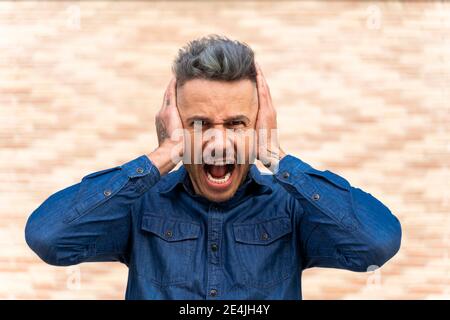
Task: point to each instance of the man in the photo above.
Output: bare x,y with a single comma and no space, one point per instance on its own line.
216,228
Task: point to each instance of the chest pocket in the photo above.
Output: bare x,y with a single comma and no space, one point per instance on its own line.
265,251
166,252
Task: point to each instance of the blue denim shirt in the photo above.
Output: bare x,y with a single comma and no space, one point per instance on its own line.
178,245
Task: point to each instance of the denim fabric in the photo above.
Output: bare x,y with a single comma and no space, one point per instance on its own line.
178,245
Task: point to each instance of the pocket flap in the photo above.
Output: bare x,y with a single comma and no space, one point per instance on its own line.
331,177
170,229
263,232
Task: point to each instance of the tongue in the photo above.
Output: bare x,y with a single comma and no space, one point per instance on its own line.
218,171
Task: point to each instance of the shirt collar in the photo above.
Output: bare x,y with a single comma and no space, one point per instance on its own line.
181,177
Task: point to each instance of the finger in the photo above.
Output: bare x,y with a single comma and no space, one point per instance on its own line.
265,87
263,96
172,91
172,96
258,69
164,100
167,97
260,76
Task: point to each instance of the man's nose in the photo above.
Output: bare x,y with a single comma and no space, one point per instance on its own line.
219,144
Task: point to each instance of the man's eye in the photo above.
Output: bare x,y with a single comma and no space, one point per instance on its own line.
236,123
198,123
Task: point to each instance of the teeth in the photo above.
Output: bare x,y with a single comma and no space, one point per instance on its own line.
219,180
219,162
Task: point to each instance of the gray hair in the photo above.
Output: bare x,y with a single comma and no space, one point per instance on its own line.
214,57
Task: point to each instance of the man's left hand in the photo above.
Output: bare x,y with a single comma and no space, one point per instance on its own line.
268,147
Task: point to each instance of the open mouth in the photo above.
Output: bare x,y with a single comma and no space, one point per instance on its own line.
219,176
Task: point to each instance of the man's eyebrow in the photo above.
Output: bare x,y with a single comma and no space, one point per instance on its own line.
240,117
228,119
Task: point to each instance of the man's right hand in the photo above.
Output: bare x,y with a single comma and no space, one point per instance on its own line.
169,129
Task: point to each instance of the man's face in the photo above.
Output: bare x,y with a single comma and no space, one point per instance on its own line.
219,120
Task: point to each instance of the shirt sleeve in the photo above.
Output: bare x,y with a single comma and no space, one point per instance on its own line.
339,226
91,220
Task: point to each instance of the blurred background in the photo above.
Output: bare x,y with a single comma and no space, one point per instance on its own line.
361,89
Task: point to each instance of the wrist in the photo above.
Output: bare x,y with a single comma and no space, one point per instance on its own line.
166,156
271,158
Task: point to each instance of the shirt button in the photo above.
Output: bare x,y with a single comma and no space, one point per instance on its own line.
214,247
213,292
316,196
139,170
265,236
169,234
285,175
107,193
